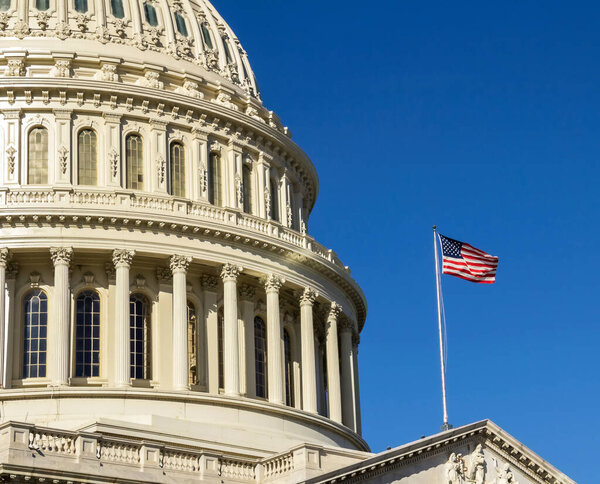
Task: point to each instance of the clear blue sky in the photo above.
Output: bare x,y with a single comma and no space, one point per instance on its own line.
485,120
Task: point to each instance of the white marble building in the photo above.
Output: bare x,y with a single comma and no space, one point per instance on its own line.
166,316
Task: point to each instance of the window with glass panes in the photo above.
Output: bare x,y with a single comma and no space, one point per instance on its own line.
274,199
247,185
177,170
139,336
116,7
221,350
192,344
37,152
135,162
87,334
150,14
87,157
260,357
81,6
35,332
215,180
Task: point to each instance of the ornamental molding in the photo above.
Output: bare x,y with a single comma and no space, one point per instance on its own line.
12,270
35,278
209,281
164,275
15,68
108,72
123,257
247,292
63,159
11,153
230,272
61,68
150,79
5,256
180,263
61,255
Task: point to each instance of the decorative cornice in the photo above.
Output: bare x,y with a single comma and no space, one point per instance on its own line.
230,272
180,263
123,257
61,255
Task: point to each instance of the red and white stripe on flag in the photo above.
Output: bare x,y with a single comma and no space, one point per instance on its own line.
467,262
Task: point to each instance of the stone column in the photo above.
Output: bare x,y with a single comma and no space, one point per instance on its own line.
61,258
333,364
4,258
122,260
210,357
347,370
179,268
231,362
247,369
12,271
274,339
307,335
357,416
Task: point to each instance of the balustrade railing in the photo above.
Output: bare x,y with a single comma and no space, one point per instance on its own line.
278,466
238,470
163,203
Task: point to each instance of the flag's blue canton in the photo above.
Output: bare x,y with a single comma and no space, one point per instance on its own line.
451,247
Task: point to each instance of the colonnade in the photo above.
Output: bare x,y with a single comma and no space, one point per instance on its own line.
341,341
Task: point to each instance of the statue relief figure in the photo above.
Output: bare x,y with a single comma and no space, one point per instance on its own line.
478,465
505,476
454,469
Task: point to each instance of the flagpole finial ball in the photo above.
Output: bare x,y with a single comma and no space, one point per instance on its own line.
434,227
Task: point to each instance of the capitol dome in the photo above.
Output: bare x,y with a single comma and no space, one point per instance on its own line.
167,316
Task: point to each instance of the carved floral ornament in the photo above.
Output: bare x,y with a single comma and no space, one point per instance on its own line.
180,263
273,283
247,292
61,255
230,272
308,297
123,257
5,256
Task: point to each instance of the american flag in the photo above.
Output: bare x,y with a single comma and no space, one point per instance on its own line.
465,261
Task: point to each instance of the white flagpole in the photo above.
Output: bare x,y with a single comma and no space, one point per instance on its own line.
438,283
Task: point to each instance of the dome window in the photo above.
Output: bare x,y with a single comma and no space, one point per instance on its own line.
215,184
260,357
81,6
116,7
177,170
140,340
247,188
87,335
87,157
37,167
227,52
4,5
150,13
135,162
206,36
35,324
181,27
42,4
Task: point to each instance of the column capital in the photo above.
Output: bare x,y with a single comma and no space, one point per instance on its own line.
247,292
308,297
61,255
230,272
5,256
334,311
345,324
273,283
123,257
180,263
208,281
12,269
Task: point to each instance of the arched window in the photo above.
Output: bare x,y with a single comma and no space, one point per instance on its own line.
227,52
206,36
150,13
87,334
87,157
4,5
139,336
274,200
289,369
116,7
192,344
81,6
181,27
177,170
37,151
135,162
247,185
215,188
221,349
260,357
35,333
42,4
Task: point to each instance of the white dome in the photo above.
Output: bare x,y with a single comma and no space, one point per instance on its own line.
151,31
